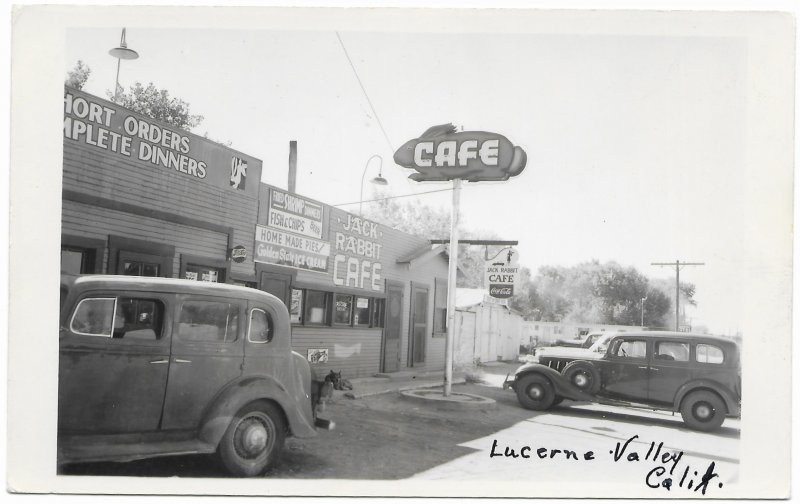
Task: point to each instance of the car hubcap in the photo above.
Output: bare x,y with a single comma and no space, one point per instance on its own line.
252,437
535,392
703,411
581,380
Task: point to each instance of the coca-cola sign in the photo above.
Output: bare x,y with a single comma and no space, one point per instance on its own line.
501,291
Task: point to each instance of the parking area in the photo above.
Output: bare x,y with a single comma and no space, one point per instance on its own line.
386,437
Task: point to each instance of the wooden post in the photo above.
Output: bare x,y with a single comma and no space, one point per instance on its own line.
451,291
292,165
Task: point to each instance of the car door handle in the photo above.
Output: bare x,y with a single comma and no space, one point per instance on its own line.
642,367
654,368
162,361
182,361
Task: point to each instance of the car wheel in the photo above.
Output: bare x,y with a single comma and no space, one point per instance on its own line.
254,439
582,375
535,392
703,410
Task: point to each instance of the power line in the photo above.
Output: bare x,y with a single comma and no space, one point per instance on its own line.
363,89
393,197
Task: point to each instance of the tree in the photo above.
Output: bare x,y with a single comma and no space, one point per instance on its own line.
77,77
157,104
595,293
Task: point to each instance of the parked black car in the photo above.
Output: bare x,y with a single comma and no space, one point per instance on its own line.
696,375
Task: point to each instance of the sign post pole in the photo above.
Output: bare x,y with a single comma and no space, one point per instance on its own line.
451,290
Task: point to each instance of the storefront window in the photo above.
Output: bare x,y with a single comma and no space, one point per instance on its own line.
140,268
361,312
77,260
296,306
343,309
203,273
316,309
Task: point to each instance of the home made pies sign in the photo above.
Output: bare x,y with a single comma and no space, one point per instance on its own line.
442,154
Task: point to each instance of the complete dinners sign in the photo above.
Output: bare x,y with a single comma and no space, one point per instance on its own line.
153,144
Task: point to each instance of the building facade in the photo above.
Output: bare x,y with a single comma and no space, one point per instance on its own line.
143,198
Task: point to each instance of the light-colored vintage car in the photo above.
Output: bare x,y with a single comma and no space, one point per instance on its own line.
155,366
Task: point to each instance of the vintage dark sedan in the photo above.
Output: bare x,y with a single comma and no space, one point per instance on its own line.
156,366
696,375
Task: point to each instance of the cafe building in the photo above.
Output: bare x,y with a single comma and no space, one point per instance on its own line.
363,298
141,197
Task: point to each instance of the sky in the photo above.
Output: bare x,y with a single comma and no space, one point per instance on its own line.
635,141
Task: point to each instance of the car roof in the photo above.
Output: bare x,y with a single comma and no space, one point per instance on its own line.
672,335
160,284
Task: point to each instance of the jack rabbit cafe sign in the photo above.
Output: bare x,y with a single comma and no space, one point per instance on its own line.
150,144
501,273
441,154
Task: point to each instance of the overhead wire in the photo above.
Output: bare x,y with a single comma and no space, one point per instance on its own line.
394,197
364,90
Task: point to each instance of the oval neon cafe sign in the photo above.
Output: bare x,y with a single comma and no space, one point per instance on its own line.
441,154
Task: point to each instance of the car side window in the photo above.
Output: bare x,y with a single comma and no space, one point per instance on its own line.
709,354
119,317
211,321
671,351
631,349
260,330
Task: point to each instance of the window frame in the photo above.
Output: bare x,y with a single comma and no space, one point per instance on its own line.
370,302
95,246
722,351
270,325
165,316
349,322
233,305
301,314
326,316
221,265
92,298
621,341
657,345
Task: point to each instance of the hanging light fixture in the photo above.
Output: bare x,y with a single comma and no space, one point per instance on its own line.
121,53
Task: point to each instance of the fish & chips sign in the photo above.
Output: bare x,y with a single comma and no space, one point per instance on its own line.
441,154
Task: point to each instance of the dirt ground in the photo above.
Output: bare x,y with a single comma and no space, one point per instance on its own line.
376,437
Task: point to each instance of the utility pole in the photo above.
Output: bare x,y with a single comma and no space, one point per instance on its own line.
678,265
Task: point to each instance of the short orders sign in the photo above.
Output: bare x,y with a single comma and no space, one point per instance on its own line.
502,273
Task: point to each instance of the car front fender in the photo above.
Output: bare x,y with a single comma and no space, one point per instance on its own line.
561,385
218,415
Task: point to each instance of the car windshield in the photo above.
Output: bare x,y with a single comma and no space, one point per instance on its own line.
601,345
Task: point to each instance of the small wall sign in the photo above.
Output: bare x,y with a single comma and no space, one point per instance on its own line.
238,253
317,355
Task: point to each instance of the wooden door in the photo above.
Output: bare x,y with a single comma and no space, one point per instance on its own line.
393,326
419,324
276,284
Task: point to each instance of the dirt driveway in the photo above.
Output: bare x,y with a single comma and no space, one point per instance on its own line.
376,437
